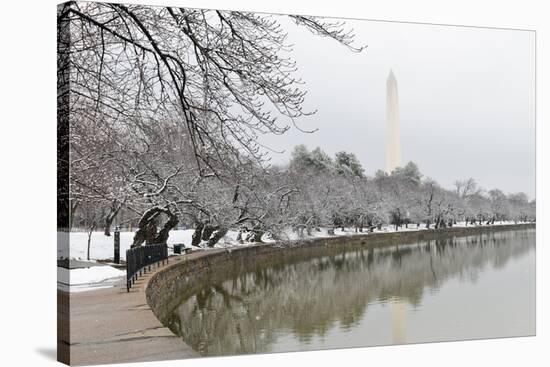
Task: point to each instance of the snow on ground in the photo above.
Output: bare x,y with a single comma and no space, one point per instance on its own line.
499,223
102,247
85,279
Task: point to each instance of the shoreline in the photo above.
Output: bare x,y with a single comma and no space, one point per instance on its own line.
131,328
184,278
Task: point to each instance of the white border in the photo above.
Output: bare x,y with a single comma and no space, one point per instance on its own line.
27,150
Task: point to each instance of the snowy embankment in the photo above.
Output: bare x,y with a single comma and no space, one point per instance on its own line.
101,248
86,279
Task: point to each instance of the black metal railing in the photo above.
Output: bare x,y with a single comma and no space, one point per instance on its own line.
139,261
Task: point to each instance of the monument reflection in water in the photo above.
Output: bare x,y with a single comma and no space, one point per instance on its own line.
451,289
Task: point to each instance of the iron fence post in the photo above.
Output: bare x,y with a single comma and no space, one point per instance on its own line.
140,259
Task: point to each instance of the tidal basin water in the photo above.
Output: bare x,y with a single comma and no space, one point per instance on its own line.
455,288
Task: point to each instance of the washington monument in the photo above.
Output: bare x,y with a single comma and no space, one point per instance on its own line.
393,154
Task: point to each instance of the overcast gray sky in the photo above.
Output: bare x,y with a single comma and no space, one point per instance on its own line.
466,95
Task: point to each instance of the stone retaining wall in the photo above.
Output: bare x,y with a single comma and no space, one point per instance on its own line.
169,287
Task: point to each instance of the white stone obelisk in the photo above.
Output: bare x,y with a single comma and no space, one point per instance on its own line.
393,154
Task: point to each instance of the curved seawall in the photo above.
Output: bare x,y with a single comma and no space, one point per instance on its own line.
176,282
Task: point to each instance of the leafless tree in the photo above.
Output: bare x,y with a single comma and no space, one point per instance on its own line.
161,96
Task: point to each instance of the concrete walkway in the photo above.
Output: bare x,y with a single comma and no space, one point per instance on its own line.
113,326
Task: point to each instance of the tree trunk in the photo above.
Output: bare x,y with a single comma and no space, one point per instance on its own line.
162,235
145,233
147,227
207,231
216,236
90,231
73,204
109,219
197,235
240,236
257,235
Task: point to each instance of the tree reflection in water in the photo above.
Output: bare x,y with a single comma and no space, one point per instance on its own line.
249,312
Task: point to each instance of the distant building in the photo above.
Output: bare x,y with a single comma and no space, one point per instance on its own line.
393,154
